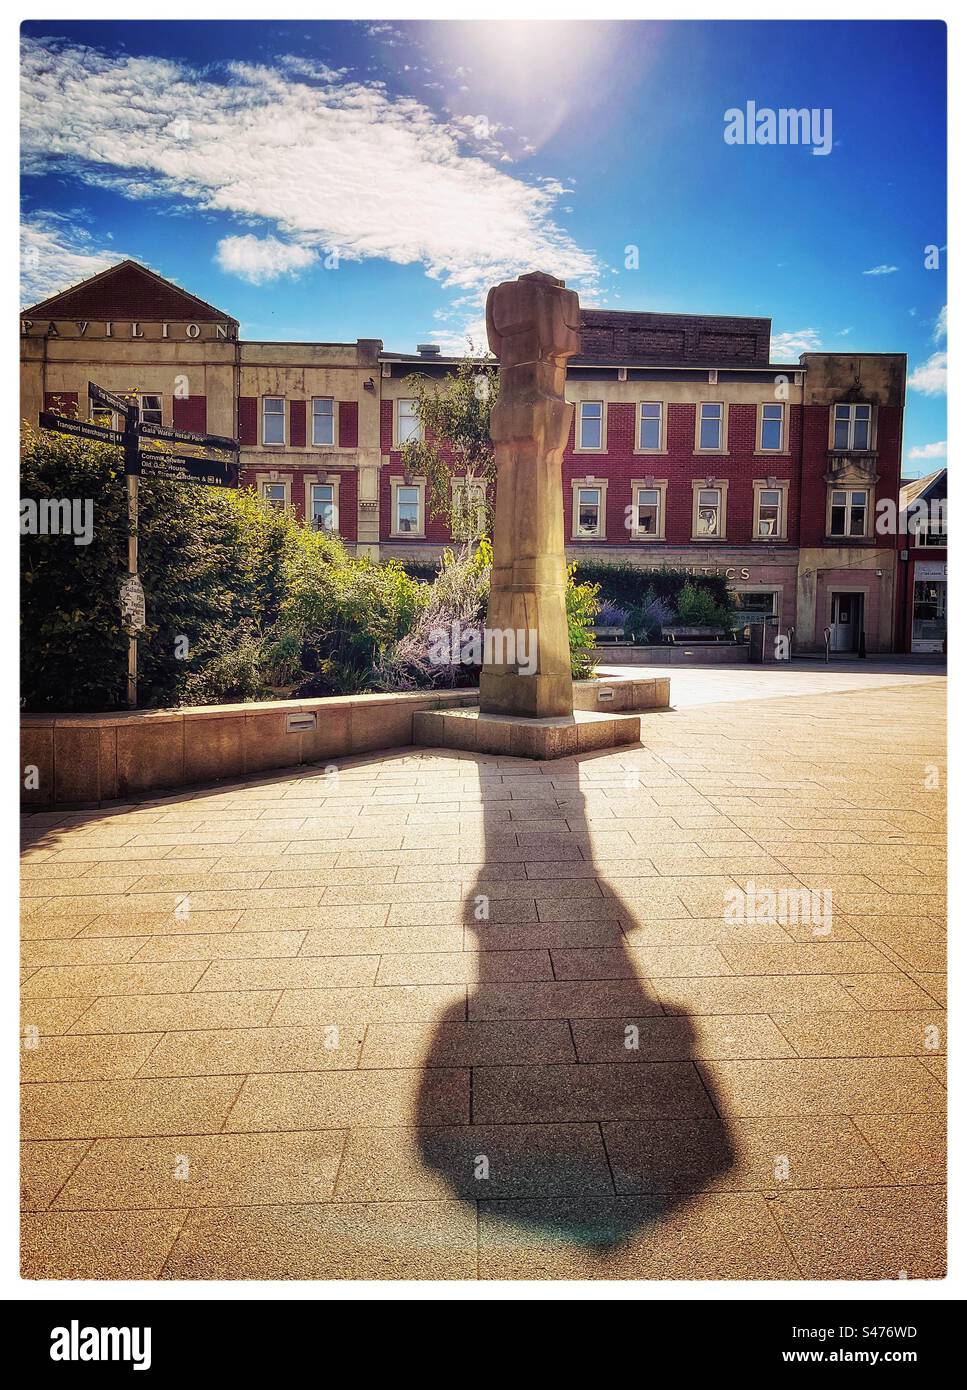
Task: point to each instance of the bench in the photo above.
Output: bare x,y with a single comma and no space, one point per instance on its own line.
678,633
610,634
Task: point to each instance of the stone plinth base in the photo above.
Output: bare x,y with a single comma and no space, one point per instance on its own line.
516,737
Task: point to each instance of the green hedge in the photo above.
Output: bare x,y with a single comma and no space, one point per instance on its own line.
265,604
243,602
628,585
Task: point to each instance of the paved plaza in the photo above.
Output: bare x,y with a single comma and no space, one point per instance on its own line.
431,1015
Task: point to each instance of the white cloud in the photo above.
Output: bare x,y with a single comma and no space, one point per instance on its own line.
55,253
344,165
930,378
929,451
258,259
788,345
882,270
940,327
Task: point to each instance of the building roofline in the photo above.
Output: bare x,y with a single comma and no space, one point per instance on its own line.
93,279
675,314
718,365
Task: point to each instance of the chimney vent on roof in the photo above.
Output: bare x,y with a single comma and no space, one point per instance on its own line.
428,349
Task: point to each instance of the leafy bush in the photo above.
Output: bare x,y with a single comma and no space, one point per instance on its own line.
611,615
582,613
431,653
242,600
632,586
697,607
645,620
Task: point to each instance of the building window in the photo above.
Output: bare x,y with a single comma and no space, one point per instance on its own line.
273,420
589,497
768,516
709,511
589,511
102,416
755,605
771,428
929,631
591,425
468,511
648,511
274,495
323,424
407,423
848,508
323,513
709,500
711,415
650,423
852,426
150,407
408,507
932,529
770,497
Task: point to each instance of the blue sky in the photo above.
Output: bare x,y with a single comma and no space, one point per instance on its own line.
329,181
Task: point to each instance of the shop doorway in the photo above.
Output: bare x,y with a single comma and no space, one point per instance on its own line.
929,612
845,621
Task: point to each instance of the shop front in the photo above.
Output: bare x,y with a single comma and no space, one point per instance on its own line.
929,630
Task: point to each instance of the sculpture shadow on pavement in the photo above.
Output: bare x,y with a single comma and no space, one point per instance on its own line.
589,1118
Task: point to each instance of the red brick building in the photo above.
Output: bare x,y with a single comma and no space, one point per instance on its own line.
690,448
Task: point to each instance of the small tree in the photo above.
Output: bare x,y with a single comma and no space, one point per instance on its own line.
454,452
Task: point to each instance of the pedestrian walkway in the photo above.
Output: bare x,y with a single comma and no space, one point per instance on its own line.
705,685
429,1015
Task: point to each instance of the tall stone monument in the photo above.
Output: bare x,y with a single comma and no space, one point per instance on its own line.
532,325
526,695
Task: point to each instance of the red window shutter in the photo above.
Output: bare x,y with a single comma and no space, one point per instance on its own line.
61,402
297,424
190,413
248,420
348,425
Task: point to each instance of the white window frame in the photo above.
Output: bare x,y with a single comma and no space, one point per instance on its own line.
159,408
275,414
763,485
659,485
579,485
419,531
601,420
459,487
331,417
265,481
333,485
721,486
417,435
723,440
848,504
850,419
762,447
660,447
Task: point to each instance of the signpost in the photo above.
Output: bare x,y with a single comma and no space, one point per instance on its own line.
142,459
81,429
176,468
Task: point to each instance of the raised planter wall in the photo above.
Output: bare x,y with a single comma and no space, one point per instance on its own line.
87,759
673,654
